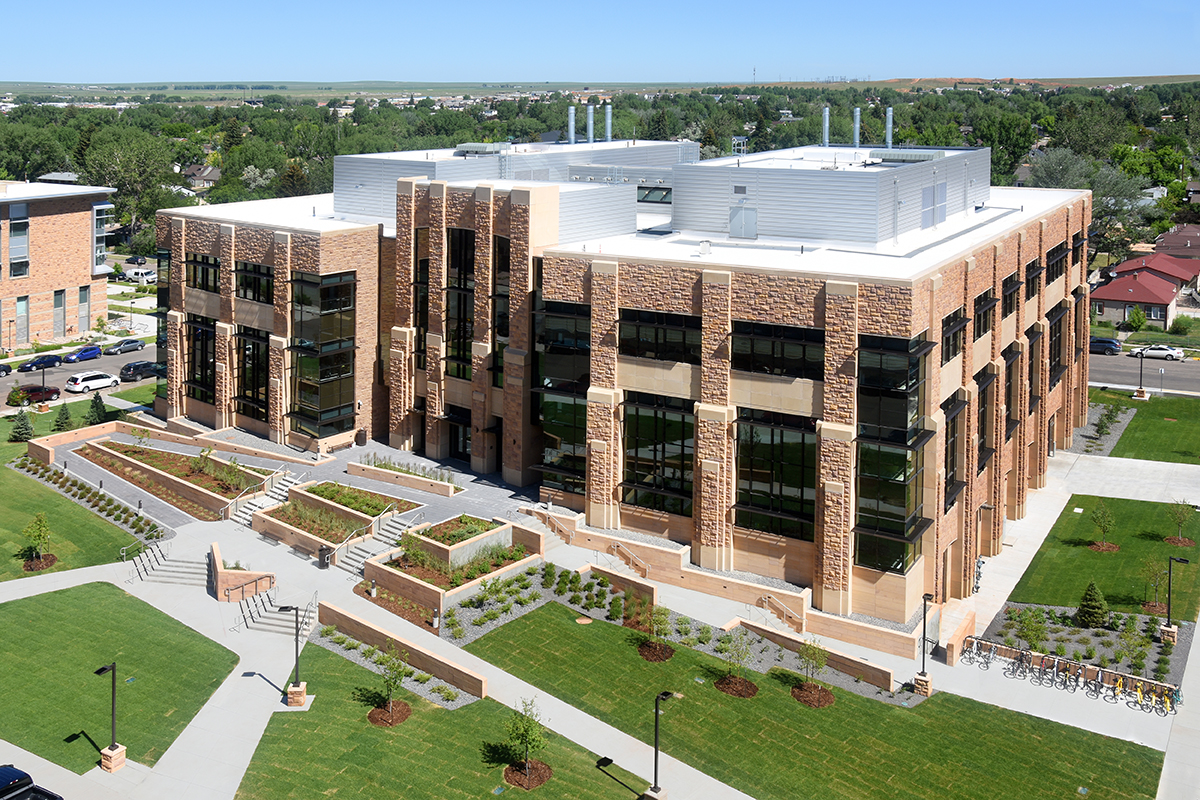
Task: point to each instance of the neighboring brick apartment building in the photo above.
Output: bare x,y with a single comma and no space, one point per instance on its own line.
52,271
842,367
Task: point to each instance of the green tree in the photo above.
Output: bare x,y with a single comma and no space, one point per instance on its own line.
293,182
37,535
660,127
62,420
231,134
525,731
96,412
135,164
1089,128
660,622
739,653
22,429
1136,319
1153,571
812,658
1181,512
1104,521
1031,627
1009,135
1093,609
394,668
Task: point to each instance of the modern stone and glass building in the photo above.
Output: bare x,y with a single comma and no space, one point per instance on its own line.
840,366
52,260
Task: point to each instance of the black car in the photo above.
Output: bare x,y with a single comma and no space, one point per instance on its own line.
124,346
17,784
138,260
138,370
40,362
1109,347
5,370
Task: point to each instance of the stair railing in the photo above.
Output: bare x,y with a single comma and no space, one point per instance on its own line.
560,529
788,614
618,548
357,531
242,587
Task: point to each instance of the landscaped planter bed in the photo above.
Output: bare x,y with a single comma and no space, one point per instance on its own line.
372,504
406,609
456,542
330,529
408,563
185,468
399,477
459,529
386,571
156,483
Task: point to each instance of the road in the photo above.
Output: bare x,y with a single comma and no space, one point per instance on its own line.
57,376
1122,370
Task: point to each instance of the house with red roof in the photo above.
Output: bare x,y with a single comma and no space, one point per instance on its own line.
1156,296
1179,271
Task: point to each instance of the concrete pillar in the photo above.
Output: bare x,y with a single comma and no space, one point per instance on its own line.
605,462
521,448
279,388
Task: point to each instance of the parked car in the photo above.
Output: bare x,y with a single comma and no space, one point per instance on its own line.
5,370
1159,351
16,784
136,260
138,370
161,341
142,275
91,381
40,362
124,346
82,354
1109,347
33,393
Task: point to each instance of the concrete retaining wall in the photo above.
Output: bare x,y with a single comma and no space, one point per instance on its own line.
232,578
854,667
461,553
402,479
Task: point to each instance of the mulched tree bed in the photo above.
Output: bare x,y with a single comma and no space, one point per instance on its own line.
813,695
413,612
736,686
1157,609
386,718
656,651
1104,547
539,773
1180,541
47,561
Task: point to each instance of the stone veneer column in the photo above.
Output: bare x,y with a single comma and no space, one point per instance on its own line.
224,345
604,402
483,445
437,442
279,390
401,420
175,320
521,447
714,471
835,469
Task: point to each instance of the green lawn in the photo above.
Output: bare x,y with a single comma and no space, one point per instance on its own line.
772,747
138,394
1063,565
41,425
434,754
1159,336
1164,428
54,706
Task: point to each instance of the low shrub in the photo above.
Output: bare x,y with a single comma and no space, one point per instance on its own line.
616,610
576,599
352,645
1090,653
340,639
1060,650
422,677
446,693
548,574
328,630
457,632
704,634
369,652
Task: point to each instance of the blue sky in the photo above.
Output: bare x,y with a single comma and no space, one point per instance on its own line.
619,40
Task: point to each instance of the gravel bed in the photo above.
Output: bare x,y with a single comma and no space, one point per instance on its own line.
1068,635
416,687
750,577
764,653
1085,439
632,536
904,627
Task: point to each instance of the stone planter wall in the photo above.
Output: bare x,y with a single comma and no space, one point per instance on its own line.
458,554
402,479
295,538
426,594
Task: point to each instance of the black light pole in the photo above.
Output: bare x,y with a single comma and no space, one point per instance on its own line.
1171,560
42,369
658,698
286,609
925,600
1141,366
113,669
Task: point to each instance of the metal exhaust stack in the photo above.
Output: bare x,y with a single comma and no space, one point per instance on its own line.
608,122
825,126
857,125
889,128
591,121
571,126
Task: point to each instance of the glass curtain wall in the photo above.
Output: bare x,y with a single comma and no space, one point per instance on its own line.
659,449
776,473
323,321
563,344
460,302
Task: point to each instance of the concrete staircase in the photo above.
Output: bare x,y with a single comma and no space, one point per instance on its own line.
261,613
278,494
181,571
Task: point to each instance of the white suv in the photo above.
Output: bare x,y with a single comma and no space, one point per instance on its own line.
91,381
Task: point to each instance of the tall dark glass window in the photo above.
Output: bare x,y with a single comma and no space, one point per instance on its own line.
985,384
323,328
985,312
891,388
1035,357
664,337
889,489
776,473
659,442
1012,293
501,281
254,282
1056,352
1033,278
460,302
884,553
420,294
201,377
202,272
252,372
1056,262
778,350
563,343
1012,389
953,456
163,256
1078,243
954,334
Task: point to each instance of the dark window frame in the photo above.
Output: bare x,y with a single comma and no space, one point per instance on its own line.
782,350
776,447
1033,278
1056,262
202,272
254,282
660,336
954,336
650,479
985,313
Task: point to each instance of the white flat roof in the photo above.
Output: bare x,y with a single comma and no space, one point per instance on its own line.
21,192
309,213
906,259
813,157
449,153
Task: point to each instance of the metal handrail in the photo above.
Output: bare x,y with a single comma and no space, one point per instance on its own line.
561,529
618,547
310,609
770,598
242,586
374,521
261,485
